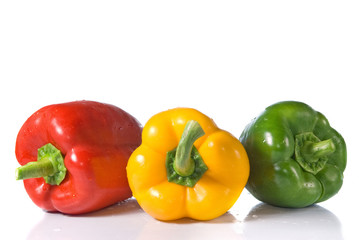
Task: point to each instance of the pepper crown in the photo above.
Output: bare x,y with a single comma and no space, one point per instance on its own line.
311,153
184,164
49,165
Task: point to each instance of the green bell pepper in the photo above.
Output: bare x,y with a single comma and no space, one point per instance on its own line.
296,157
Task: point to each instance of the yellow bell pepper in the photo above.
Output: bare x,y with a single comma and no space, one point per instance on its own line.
187,167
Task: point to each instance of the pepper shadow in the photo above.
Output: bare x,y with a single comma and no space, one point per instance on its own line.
131,206
128,206
223,227
314,222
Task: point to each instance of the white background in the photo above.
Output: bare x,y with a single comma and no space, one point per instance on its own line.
228,59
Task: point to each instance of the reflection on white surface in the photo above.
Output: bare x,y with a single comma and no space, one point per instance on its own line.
127,221
110,223
313,222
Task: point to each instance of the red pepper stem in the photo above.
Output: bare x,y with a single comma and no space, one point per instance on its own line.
49,165
183,164
35,170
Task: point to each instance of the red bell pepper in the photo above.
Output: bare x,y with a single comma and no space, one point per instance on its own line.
74,156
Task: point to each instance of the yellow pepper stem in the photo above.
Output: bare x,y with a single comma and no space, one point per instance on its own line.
183,164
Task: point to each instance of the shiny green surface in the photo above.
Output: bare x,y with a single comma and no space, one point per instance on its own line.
276,176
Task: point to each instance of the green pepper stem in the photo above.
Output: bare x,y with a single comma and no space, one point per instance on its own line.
35,170
183,164
312,151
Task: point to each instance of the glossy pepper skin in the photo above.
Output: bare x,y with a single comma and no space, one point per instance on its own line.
95,141
211,194
296,157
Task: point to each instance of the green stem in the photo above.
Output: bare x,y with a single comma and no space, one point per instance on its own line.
183,164
35,170
49,165
313,151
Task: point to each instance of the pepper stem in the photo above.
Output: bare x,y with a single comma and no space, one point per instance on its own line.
311,152
35,170
49,165
183,164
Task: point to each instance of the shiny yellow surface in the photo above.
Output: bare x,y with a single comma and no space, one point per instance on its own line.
217,190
